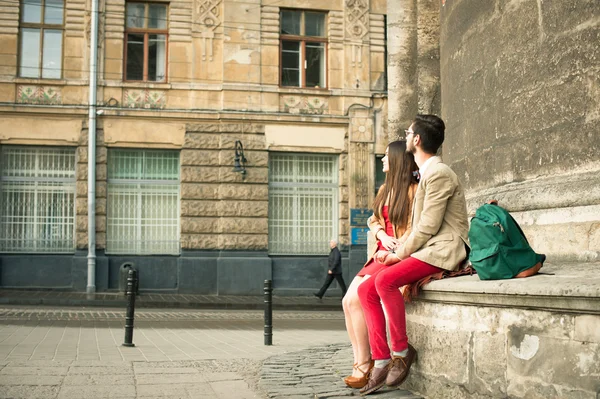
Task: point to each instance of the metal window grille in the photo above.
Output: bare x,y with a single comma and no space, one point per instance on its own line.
37,199
303,191
143,202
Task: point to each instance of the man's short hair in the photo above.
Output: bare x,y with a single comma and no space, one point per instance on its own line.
334,240
430,129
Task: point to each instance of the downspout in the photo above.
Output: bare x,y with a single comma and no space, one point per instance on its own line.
91,258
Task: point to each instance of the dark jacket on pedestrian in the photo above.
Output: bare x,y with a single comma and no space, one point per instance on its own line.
335,261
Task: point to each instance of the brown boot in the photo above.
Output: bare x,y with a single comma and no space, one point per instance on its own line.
376,380
399,368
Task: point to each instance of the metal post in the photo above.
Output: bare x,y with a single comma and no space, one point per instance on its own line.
129,316
268,313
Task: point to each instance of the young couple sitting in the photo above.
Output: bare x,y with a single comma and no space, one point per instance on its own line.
421,229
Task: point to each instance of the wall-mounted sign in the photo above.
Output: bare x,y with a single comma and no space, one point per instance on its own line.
359,216
358,235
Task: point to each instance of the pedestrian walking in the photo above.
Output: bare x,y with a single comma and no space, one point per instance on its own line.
335,271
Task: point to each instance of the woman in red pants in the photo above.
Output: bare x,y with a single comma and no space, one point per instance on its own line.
390,224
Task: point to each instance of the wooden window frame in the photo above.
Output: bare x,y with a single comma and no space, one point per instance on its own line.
146,32
303,40
41,27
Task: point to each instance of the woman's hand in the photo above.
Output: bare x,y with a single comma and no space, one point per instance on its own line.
391,259
387,241
381,255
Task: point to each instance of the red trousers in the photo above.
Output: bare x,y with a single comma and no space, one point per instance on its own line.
383,286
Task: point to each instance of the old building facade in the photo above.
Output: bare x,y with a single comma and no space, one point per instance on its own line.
233,139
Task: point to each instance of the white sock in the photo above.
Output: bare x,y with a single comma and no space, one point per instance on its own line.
403,353
381,363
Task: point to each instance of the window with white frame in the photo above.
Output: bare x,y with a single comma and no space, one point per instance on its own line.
41,29
303,49
143,202
37,199
303,197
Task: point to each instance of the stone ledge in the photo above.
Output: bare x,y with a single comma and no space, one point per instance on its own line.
572,288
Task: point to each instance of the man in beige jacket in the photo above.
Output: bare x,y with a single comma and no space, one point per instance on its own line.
438,241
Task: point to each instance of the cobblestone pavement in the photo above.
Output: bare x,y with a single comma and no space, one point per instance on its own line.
77,353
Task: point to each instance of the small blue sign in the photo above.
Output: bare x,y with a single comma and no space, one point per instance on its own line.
358,235
359,216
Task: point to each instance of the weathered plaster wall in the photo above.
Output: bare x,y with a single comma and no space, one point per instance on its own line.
521,99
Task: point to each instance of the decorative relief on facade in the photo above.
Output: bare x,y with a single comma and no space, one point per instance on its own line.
357,18
206,18
142,98
304,105
360,169
31,94
361,127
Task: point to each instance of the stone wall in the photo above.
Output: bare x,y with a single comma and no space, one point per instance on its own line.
520,96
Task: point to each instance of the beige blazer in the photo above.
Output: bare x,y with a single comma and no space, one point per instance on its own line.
439,234
375,225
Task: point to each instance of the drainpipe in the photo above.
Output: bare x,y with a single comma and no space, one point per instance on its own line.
91,258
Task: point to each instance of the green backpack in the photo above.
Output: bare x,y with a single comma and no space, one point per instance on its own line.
499,249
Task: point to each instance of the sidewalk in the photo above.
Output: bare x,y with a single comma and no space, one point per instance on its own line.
171,301
60,352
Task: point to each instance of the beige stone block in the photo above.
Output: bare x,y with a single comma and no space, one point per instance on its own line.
343,212
199,241
75,94
336,79
240,225
179,72
243,241
81,189
179,52
8,60
199,191
243,101
336,105
377,62
343,194
378,7
336,59
200,208
101,155
200,174
255,158
101,171
270,56
489,358
101,240
74,47
81,171
100,189
202,141
587,328
114,49
242,73
81,223
81,206
243,208
113,70
113,93
207,68
100,223
203,128
243,191
249,142
253,175
8,44
199,158
74,68
270,75
344,228
82,154
200,225
81,240
100,206
8,90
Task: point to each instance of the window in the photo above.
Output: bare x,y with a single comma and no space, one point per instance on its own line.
302,203
41,36
303,49
143,202
146,42
37,199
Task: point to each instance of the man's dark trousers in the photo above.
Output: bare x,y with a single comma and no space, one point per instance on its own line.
335,267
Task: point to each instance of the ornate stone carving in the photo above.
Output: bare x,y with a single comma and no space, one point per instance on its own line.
206,18
361,127
357,18
360,169
32,94
304,105
142,98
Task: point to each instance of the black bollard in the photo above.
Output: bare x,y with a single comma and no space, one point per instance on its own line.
268,313
129,316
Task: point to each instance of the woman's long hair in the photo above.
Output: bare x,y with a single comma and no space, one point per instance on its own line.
397,183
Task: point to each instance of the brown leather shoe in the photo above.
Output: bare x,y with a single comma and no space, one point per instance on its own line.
399,367
376,380
359,382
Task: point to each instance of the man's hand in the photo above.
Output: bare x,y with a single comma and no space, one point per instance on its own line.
381,255
329,272
387,241
391,259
